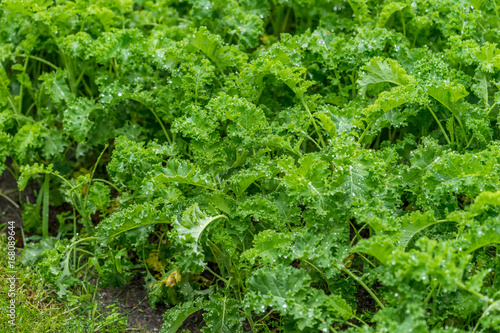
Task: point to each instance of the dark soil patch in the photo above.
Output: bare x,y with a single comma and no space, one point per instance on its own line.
133,301
365,303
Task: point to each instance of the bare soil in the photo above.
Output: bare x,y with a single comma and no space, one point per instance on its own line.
133,302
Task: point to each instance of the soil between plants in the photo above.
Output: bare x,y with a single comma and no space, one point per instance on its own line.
132,301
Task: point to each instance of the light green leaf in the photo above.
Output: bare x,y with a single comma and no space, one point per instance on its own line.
379,70
28,171
448,95
483,235
265,245
414,223
389,9
27,139
183,172
486,198
56,87
76,118
327,123
379,246
193,223
481,87
174,317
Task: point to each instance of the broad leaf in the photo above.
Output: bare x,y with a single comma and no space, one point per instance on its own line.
448,95
193,223
379,70
182,172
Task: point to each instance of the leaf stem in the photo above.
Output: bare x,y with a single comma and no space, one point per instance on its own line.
21,90
473,292
39,59
365,131
12,106
428,298
81,241
358,280
485,313
313,121
107,182
492,107
217,275
439,124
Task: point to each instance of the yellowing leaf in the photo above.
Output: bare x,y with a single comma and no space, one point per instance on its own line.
172,279
155,262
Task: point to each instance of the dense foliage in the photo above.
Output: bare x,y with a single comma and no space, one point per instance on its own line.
279,165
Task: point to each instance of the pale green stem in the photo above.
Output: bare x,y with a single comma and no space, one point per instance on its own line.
313,121
39,59
358,280
439,124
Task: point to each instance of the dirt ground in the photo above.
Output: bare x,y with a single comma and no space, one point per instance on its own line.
133,299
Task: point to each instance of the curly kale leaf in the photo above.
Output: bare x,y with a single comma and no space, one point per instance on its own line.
286,290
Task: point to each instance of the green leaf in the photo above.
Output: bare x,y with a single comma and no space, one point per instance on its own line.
135,222
266,245
174,317
379,70
327,123
486,198
28,171
55,85
413,223
389,9
98,197
479,236
183,172
448,95
279,285
4,87
379,246
193,223
307,180
287,291
5,143
212,46
389,100
222,315
27,139
353,180
481,86
338,305
248,120
54,144
76,118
